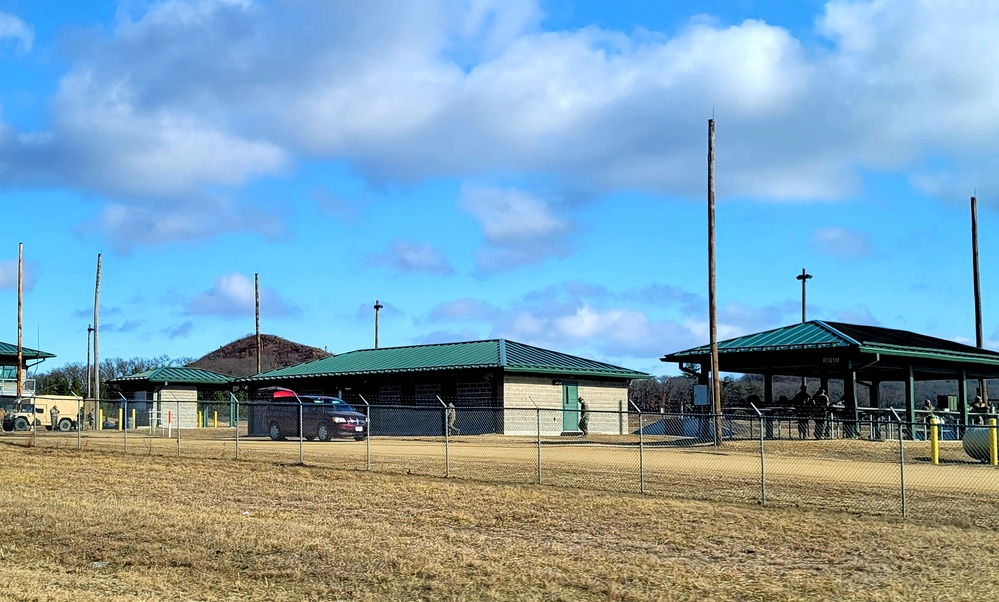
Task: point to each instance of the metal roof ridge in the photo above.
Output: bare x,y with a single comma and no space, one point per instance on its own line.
838,333
411,347
502,352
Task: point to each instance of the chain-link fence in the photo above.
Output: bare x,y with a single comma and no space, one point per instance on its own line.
876,464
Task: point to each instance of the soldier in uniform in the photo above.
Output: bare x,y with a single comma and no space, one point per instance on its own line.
820,405
801,401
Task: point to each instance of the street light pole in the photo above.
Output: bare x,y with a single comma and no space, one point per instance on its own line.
378,307
804,277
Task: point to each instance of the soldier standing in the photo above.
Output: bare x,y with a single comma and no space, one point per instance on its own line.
820,404
801,402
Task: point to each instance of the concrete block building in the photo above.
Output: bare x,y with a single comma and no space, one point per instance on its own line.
497,386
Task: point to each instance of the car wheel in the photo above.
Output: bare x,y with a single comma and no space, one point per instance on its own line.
21,424
65,425
323,432
275,432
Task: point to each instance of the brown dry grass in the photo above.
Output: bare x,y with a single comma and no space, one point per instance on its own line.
200,529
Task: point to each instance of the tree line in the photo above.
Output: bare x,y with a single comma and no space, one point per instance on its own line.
71,379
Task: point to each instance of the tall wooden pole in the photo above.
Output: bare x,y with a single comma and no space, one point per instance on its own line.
90,378
979,338
256,303
20,316
97,360
378,306
712,304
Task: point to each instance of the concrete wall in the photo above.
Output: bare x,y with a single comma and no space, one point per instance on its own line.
603,399
178,406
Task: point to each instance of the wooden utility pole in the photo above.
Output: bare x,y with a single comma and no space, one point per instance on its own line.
712,304
378,307
90,380
983,389
20,317
256,303
97,361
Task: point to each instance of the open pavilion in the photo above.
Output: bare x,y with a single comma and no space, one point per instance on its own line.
858,355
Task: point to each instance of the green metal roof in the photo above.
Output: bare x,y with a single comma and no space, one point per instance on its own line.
497,353
810,335
818,334
8,350
178,375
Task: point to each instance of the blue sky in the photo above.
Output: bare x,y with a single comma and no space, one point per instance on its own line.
534,170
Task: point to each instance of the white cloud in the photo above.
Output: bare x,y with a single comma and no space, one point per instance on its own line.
233,295
408,256
16,29
131,225
180,98
842,243
519,228
581,318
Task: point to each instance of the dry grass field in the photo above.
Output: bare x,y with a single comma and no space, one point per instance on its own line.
95,525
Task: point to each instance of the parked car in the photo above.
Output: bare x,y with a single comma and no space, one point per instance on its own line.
322,417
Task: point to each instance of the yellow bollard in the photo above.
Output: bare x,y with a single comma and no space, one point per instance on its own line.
133,418
121,419
934,441
215,420
100,420
201,419
993,448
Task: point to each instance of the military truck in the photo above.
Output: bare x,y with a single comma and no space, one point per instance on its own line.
37,411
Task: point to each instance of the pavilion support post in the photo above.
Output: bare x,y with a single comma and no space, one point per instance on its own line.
768,389
962,395
910,397
850,403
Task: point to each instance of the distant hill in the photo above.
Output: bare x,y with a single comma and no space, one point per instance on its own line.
239,358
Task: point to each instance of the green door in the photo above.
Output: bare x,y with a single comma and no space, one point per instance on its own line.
570,407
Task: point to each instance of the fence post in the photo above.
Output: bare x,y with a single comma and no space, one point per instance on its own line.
934,441
122,412
447,439
301,433
537,416
367,438
641,449
79,422
901,460
993,447
763,468
178,427
233,412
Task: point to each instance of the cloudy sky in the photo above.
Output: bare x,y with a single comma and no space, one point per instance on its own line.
533,170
